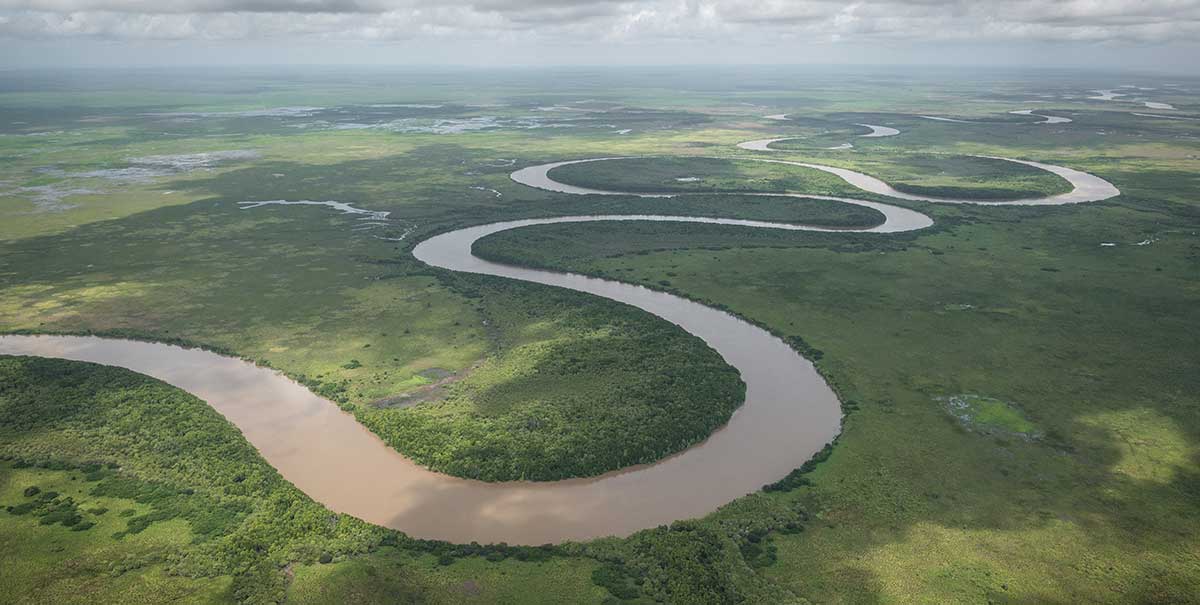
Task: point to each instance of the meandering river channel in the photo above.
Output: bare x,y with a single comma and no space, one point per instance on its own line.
788,415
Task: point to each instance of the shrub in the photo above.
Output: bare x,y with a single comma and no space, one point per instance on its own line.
21,509
617,580
796,478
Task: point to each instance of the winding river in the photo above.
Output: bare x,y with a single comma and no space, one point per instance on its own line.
1046,119
876,132
789,412
1085,187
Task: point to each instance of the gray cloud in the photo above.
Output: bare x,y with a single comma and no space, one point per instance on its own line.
298,6
607,22
167,7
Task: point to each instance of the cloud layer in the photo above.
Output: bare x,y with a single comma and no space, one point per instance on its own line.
605,20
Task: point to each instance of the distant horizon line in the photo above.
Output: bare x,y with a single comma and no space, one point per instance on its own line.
622,66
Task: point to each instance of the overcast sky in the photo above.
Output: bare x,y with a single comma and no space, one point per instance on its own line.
1145,34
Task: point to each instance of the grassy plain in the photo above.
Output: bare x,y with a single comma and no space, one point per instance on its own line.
1022,306
966,177
122,489
1095,345
707,175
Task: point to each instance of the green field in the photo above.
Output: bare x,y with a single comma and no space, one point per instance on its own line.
707,175
1023,420
570,378
965,177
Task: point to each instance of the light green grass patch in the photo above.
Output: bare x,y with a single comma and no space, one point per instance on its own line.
57,564
988,415
390,576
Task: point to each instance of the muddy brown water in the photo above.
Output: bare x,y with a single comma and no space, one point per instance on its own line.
788,415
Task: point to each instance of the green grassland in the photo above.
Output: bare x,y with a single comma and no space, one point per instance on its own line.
1074,481
989,415
119,488
383,324
578,387
807,211
1016,305
965,177
922,174
712,175
815,133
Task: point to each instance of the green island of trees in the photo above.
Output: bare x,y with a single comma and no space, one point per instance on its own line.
577,386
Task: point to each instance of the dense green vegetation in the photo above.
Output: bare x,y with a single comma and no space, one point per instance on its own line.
578,387
712,175
965,176
806,211
826,133
574,247
115,455
1016,306
1073,479
520,413
119,488
923,174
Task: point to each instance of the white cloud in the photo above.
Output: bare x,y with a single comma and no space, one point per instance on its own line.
625,22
